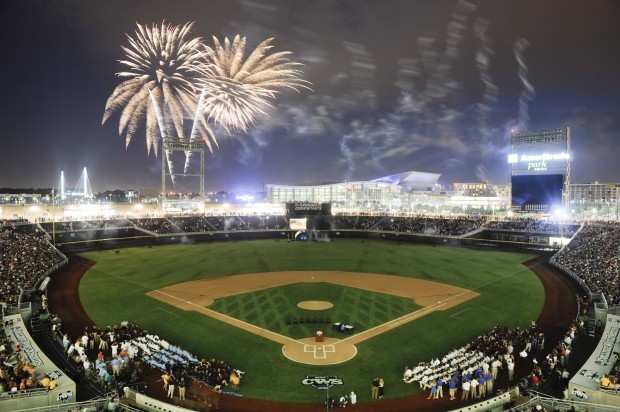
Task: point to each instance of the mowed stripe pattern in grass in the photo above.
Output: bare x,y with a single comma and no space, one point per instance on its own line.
510,294
269,308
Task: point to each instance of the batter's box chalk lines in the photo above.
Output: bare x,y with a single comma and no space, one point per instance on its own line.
319,352
329,348
174,315
309,348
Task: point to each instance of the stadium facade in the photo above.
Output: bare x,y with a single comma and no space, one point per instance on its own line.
407,191
391,192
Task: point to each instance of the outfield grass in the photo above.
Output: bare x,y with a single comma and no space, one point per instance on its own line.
269,308
510,294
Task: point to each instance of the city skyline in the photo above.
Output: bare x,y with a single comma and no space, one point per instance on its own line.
397,86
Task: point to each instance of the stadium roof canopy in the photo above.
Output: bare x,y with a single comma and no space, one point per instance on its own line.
412,180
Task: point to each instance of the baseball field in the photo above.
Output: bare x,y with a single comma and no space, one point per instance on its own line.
242,302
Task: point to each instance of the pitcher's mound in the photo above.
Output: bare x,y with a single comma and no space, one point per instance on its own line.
315,305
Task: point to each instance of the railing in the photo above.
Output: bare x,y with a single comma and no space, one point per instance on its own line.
27,393
561,405
98,404
148,403
614,310
15,310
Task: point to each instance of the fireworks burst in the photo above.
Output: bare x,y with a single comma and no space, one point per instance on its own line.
237,89
164,70
170,76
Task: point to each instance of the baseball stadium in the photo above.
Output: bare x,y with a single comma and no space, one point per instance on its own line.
390,294
262,317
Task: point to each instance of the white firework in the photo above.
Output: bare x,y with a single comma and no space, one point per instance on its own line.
164,70
239,89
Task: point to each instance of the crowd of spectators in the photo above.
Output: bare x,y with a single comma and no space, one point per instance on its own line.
355,222
176,361
10,222
191,224
203,223
473,368
110,355
25,255
555,365
441,225
155,225
114,356
80,225
421,224
594,256
17,375
452,226
528,224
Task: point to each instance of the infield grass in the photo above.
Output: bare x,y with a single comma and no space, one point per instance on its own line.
270,308
510,294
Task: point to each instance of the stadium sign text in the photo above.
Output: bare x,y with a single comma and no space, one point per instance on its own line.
26,346
322,382
63,397
306,206
538,158
538,166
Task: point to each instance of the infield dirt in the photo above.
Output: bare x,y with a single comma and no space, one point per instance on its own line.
432,296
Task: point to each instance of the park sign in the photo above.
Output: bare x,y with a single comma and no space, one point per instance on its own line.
515,158
322,382
538,162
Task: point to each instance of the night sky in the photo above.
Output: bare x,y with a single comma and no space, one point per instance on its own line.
398,85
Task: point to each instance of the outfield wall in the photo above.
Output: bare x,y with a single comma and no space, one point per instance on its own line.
120,238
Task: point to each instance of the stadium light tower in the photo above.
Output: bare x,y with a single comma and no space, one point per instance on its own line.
83,186
62,186
172,145
539,153
85,182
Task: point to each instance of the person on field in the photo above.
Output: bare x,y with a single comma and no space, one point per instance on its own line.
171,382
374,389
165,378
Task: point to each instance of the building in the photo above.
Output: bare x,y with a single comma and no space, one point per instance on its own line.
389,192
595,193
595,200
484,196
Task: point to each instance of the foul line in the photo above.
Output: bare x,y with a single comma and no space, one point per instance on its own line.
458,313
276,337
167,311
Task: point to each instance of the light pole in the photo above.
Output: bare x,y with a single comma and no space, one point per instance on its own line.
53,218
607,211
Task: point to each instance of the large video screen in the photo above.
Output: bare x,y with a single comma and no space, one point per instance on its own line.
537,192
298,224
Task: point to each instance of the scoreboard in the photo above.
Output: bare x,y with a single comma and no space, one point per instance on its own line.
305,209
